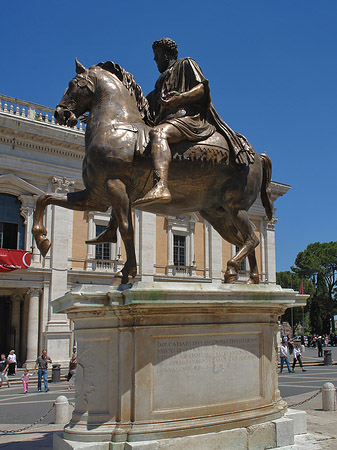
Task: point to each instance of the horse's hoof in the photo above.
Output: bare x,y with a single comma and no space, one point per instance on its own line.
253,279
125,279
44,246
231,277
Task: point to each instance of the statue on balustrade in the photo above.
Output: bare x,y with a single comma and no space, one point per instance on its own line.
168,153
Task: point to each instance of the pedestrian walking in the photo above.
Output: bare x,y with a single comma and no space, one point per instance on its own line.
72,371
25,380
11,358
42,366
4,370
284,355
297,357
319,347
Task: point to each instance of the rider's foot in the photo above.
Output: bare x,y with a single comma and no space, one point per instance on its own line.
158,194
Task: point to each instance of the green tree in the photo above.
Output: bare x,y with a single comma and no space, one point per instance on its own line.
319,307
292,280
319,263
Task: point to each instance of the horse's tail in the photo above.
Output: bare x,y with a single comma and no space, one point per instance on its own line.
265,186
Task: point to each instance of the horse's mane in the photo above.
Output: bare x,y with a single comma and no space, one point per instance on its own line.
135,90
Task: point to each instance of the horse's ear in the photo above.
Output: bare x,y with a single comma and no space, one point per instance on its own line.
79,67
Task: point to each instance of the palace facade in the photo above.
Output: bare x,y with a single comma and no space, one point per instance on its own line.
37,156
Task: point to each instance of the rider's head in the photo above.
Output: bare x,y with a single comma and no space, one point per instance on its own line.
165,51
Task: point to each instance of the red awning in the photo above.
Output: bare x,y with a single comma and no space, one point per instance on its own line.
14,259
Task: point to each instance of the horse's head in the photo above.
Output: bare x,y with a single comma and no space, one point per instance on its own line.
76,99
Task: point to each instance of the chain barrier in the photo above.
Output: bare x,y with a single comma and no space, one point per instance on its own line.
307,400
19,430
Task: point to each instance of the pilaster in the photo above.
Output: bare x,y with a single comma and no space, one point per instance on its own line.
269,240
57,337
215,253
33,326
147,245
15,321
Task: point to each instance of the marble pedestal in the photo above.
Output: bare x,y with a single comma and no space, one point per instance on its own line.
177,366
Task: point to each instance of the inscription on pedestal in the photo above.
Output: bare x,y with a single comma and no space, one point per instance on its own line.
201,370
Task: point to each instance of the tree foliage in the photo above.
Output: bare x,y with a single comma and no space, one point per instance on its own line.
317,267
292,280
319,307
319,263
318,258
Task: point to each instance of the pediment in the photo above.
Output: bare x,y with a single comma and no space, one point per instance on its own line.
13,185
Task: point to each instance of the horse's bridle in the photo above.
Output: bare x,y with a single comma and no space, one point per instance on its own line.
82,82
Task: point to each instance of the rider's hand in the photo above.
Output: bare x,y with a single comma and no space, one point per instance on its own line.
171,99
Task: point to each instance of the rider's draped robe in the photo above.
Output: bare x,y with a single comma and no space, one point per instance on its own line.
196,121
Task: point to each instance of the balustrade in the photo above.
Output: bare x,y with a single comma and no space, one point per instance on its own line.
31,111
106,264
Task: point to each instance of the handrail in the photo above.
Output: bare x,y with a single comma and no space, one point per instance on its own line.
32,111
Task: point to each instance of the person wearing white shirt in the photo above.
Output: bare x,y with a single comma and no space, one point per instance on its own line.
297,357
284,355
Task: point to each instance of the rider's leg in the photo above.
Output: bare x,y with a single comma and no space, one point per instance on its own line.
160,137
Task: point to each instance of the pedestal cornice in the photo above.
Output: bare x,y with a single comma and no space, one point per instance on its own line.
155,297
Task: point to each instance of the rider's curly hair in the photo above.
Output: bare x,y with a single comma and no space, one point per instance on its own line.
168,45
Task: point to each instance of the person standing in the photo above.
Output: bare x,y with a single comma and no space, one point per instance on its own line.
42,366
284,355
72,371
319,347
297,357
3,370
11,358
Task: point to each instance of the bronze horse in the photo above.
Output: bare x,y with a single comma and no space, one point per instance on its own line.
117,170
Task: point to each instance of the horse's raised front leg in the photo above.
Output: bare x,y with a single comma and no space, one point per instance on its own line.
121,206
73,200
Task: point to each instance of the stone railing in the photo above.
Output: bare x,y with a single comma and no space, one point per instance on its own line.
31,111
113,265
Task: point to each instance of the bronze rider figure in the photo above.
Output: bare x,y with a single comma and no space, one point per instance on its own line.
181,109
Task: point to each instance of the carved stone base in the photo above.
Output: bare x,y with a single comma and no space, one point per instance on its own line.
176,366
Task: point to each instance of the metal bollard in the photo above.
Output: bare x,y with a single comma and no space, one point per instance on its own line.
328,397
61,410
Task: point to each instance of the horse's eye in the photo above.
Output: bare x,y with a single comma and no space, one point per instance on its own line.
81,82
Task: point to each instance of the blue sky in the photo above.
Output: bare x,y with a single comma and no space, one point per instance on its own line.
271,67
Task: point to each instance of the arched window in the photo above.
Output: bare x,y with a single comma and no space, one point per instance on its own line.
11,223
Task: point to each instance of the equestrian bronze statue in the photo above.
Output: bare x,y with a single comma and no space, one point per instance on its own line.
168,153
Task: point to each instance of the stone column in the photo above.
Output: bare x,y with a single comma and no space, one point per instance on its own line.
270,261
263,272
215,252
147,245
61,241
57,336
207,228
33,326
27,211
15,322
